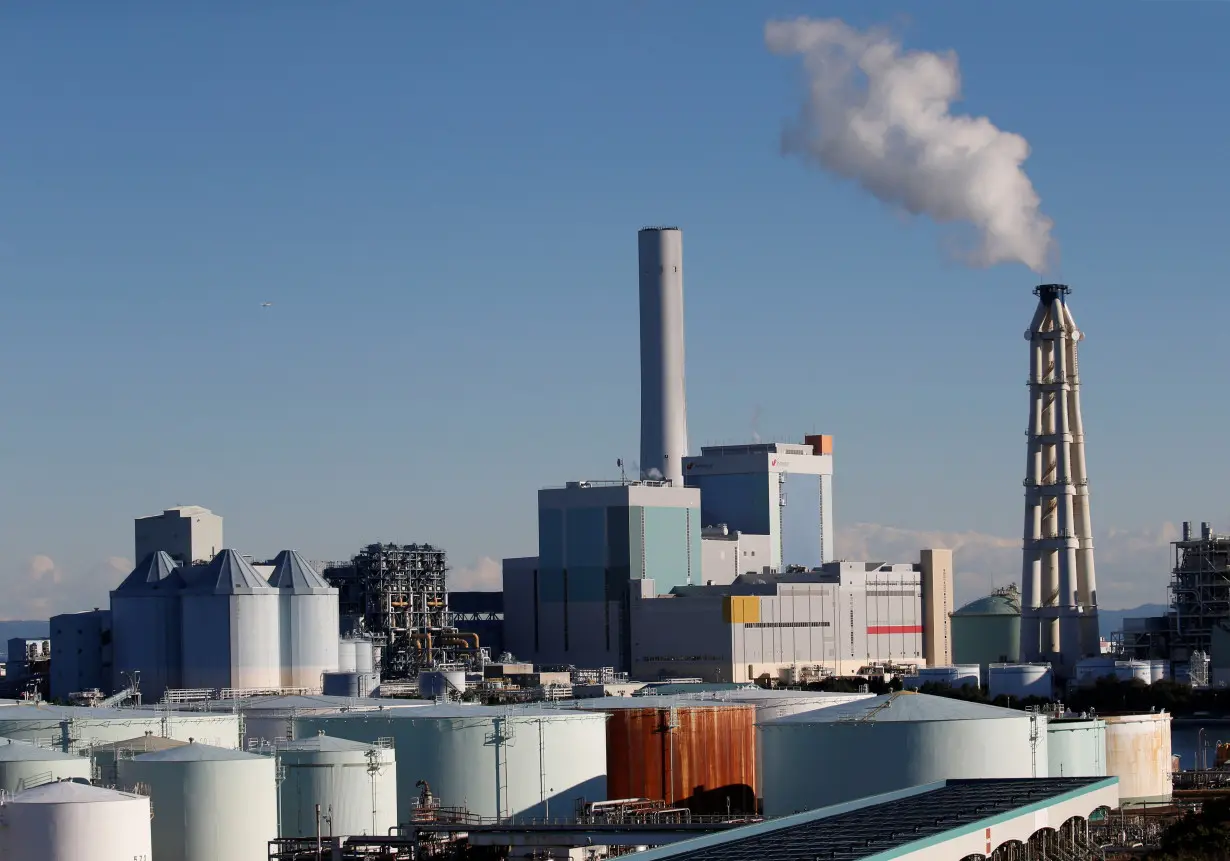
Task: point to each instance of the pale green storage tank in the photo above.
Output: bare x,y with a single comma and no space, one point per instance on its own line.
1076,747
988,631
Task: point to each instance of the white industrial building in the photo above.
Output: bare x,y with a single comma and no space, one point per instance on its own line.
190,534
720,565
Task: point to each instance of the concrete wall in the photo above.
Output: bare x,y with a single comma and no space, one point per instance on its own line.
937,595
188,534
80,653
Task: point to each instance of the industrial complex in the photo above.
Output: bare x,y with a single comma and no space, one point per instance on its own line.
689,667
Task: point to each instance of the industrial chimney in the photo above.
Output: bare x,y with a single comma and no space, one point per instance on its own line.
664,418
1059,593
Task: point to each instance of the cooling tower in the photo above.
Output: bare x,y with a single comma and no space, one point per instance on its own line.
664,423
1059,596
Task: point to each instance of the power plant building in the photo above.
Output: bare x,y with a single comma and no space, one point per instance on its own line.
187,533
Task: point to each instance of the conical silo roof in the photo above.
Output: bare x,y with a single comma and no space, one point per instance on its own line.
292,573
230,574
155,572
903,706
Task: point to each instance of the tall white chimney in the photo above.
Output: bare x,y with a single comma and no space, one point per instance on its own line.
1059,592
664,416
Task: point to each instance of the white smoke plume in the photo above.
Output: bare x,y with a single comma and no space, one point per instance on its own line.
880,115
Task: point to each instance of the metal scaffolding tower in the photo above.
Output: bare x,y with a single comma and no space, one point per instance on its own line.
1199,590
397,593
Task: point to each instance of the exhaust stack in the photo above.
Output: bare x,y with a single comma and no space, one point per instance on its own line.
1059,593
664,421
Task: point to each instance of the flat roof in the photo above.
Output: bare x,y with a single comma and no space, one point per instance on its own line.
881,825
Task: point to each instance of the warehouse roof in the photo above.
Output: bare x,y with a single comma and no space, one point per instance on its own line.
891,825
900,706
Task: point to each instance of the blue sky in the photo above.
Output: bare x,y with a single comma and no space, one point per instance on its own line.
441,201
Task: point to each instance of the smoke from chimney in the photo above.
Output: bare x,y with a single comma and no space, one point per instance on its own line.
880,116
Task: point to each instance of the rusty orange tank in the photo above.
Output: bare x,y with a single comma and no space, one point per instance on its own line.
696,755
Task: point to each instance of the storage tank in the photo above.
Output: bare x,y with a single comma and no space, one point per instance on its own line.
355,784
1138,753
1159,671
364,656
346,656
1020,681
71,821
1076,747
308,613
689,753
988,631
772,704
441,683
145,626
24,765
267,719
73,729
493,761
892,742
956,676
350,684
1134,671
231,621
1089,670
211,802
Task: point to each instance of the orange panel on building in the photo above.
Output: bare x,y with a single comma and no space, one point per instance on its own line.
820,443
705,761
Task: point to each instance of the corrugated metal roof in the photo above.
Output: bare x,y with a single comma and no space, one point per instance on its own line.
152,573
229,574
990,605
196,752
292,573
68,792
899,707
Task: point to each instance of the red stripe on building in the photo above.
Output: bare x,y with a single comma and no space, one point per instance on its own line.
894,629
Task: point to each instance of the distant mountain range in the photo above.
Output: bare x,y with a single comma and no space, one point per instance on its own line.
1110,621
19,629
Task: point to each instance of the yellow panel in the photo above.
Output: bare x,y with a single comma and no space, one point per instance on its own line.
751,609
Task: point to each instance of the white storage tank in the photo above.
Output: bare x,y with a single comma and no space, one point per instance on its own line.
956,676
350,684
493,761
364,656
1159,671
347,657
355,784
105,756
1138,753
24,766
145,625
1089,670
892,742
231,627
75,729
1134,671
446,683
268,719
1076,747
308,612
1020,681
211,802
71,821
771,704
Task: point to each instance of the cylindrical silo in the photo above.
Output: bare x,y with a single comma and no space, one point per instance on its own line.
1076,747
74,729
892,742
347,658
687,752
105,756
1134,671
664,418
1159,671
1021,681
349,684
988,631
71,821
24,766
145,627
1138,753
355,784
956,676
526,762
441,683
211,803
309,621
1090,670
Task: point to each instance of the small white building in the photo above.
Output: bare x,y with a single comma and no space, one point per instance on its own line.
188,533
